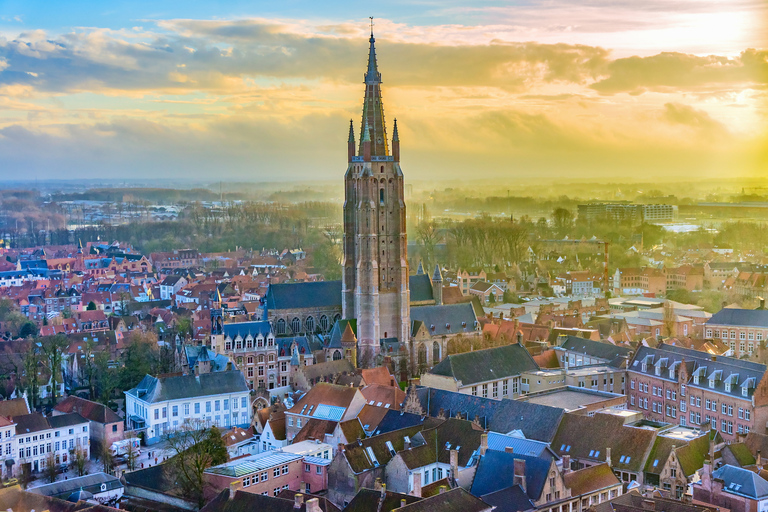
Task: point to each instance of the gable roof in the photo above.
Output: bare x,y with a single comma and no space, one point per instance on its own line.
446,318
740,317
420,286
455,500
486,365
326,394
510,499
590,479
92,411
741,482
496,470
452,434
587,437
14,407
369,500
598,349
159,389
318,294
358,454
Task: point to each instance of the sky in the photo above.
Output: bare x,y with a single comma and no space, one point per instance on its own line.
263,91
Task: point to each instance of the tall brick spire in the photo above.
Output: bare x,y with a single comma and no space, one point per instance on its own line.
373,108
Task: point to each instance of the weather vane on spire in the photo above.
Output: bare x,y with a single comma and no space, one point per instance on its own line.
371,18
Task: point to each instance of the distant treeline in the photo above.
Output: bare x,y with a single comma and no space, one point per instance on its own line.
151,195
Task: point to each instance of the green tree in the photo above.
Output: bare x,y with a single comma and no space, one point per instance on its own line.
28,329
562,220
91,306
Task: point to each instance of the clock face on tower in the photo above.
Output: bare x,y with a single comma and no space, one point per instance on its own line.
379,140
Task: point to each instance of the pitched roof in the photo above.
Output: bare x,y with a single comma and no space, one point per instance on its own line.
496,470
740,317
28,423
159,389
535,421
599,349
249,501
243,329
91,483
587,437
92,411
486,365
14,407
510,499
315,429
378,375
318,294
446,318
452,434
358,454
66,420
455,500
420,286
388,397
369,500
590,479
741,482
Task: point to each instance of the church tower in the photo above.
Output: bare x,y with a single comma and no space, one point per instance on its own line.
375,273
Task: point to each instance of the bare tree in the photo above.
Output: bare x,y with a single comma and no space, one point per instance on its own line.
195,448
79,460
131,452
49,472
106,457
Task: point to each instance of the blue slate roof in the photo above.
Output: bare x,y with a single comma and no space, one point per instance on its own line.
202,353
485,365
153,389
446,318
284,345
511,499
25,264
333,339
243,329
740,317
321,294
396,420
599,349
500,442
742,482
535,421
496,470
737,372
420,286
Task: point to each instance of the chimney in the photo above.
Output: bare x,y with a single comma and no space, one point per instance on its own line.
377,484
759,461
762,303
403,502
608,456
234,487
520,474
407,443
313,505
298,500
443,489
454,464
483,444
509,449
520,337
566,463
416,486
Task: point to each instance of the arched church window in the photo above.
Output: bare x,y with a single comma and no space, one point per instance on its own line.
295,325
336,317
281,326
336,355
382,168
381,195
422,355
310,323
324,323
435,352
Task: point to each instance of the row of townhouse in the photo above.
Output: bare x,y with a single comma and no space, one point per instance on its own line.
743,330
680,385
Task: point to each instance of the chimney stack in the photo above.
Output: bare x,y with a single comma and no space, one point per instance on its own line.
520,337
519,477
403,502
416,486
313,505
759,461
608,456
298,500
483,444
566,463
234,487
443,489
454,464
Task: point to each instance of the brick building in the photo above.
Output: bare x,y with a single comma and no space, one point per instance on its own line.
741,329
680,385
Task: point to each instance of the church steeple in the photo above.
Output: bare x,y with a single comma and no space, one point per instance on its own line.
351,142
373,108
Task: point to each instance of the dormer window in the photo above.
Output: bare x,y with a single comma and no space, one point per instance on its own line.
711,383
744,391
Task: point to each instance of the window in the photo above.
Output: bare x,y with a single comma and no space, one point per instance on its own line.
307,468
485,390
165,413
276,472
747,414
243,402
197,407
285,469
157,415
217,405
175,411
296,325
246,481
208,406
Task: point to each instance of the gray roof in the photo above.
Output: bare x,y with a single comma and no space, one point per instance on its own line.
243,329
598,349
197,353
535,421
497,469
740,317
486,365
742,482
253,463
90,483
66,420
739,371
421,288
321,294
153,389
446,319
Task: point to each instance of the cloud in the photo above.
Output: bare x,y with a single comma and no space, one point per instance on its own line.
677,71
698,120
